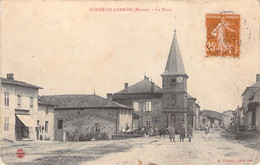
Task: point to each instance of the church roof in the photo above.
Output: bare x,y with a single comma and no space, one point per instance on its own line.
174,65
144,86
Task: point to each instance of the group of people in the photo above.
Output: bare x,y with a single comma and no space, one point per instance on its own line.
152,131
164,131
182,133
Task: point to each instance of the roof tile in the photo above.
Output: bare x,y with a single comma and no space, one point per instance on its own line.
21,83
80,101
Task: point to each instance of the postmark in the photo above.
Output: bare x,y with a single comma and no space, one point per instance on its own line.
20,153
223,35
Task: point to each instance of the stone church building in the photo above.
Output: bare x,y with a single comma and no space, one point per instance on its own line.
161,107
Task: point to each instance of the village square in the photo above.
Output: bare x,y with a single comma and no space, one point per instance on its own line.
139,123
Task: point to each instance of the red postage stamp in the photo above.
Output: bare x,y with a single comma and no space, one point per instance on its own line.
223,35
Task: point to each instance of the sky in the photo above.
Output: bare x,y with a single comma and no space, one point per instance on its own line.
66,48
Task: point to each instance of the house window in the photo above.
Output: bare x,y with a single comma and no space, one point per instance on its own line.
60,123
6,124
97,127
148,106
38,123
136,106
19,101
7,99
148,120
47,109
31,101
46,126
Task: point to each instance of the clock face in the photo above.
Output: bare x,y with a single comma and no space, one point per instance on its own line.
179,79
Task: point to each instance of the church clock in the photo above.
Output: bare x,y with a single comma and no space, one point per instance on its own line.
179,79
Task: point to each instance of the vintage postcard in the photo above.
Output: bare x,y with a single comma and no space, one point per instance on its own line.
130,82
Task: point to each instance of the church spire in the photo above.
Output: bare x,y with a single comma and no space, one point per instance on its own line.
174,65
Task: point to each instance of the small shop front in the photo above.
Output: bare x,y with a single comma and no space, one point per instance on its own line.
24,127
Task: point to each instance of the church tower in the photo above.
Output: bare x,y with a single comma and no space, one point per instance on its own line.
174,88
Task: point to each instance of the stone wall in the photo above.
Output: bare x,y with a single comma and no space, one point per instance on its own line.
41,119
83,121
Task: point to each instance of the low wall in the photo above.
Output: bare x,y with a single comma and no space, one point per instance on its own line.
119,137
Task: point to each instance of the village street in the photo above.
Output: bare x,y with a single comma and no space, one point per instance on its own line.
204,149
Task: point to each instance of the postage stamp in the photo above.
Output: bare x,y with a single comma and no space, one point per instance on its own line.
223,35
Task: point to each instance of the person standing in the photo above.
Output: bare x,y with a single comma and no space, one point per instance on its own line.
189,134
161,132
207,129
156,132
182,133
171,133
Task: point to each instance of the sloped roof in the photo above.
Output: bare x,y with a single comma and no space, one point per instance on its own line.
228,113
144,86
255,97
80,101
255,85
174,65
20,83
190,97
212,114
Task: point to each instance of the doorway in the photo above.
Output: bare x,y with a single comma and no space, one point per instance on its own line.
59,132
172,120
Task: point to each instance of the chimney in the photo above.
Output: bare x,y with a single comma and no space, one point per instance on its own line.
152,87
126,86
10,76
109,96
257,77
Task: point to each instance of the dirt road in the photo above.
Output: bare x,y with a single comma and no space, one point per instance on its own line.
204,149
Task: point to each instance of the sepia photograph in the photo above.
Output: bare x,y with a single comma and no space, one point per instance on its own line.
129,82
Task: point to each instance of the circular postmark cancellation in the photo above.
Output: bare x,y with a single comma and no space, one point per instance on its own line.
223,35
20,153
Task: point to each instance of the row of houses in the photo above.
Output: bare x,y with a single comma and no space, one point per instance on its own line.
26,116
244,118
82,117
247,117
214,119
